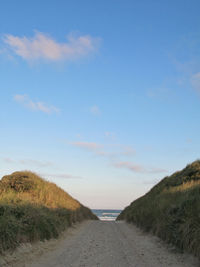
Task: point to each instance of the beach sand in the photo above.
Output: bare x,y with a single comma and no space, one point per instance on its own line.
100,244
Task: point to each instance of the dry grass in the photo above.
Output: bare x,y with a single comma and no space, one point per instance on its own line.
183,187
31,188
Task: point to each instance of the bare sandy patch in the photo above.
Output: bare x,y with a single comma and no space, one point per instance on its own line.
101,244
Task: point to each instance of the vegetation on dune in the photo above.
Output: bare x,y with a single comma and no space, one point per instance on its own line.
33,209
171,209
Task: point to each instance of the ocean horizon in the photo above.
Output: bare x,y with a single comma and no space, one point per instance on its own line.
106,214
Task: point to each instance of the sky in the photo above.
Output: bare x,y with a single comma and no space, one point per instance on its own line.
100,97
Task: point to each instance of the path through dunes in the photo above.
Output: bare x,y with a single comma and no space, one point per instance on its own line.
107,244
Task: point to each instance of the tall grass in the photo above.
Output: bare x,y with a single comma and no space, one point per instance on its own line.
171,209
33,209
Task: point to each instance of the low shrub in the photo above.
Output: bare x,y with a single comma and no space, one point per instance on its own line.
33,209
171,209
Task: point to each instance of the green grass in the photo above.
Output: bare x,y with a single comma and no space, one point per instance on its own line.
171,209
33,209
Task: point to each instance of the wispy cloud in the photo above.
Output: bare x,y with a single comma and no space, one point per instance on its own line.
137,168
188,141
36,163
35,106
95,110
61,175
109,134
42,46
91,146
109,150
28,162
9,160
127,151
129,166
195,81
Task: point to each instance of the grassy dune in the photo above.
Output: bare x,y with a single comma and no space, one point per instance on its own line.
33,209
171,209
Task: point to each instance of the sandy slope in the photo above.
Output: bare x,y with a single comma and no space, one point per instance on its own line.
104,244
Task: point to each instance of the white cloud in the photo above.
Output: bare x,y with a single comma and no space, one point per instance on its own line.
35,106
95,110
42,46
137,168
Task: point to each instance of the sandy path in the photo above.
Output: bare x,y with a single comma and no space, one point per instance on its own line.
107,244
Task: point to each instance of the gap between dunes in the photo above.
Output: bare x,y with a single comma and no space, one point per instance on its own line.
100,244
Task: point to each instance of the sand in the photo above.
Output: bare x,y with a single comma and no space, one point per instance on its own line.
100,244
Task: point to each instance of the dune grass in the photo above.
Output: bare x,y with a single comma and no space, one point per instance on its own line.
171,209
33,209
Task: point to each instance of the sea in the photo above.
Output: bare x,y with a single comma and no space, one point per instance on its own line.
106,215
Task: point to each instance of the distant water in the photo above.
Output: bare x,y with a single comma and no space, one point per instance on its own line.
107,215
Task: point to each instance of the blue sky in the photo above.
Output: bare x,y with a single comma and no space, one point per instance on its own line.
100,97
